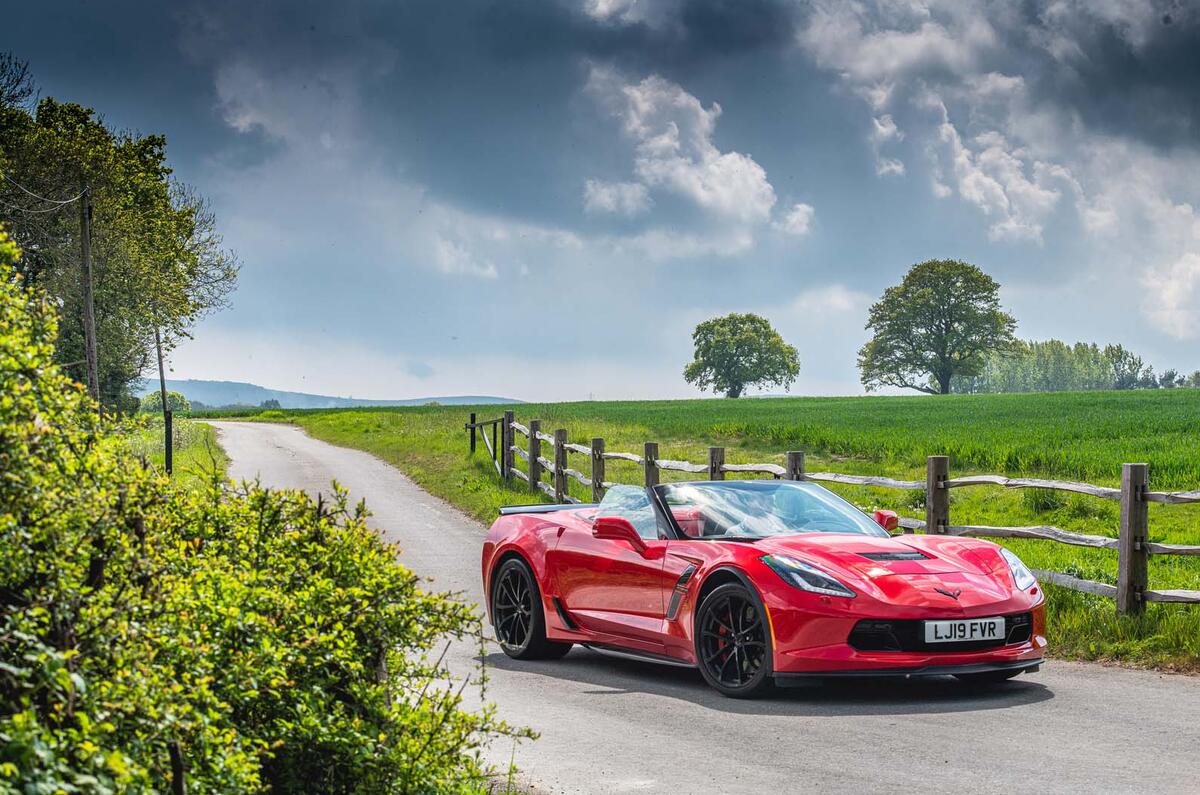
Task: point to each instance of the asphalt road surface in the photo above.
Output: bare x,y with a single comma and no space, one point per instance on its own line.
611,726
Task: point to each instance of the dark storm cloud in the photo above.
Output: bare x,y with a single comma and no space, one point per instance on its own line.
1150,92
480,99
1132,73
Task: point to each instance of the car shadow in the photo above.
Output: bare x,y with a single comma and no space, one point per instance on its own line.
610,676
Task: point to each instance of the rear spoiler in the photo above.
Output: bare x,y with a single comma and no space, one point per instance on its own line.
509,510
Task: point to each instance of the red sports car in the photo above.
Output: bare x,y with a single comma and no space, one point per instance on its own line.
758,582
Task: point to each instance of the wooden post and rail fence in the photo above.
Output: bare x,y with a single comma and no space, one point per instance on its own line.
1132,543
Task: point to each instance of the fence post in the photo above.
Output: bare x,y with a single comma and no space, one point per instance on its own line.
169,440
472,429
535,450
716,457
650,453
560,465
937,496
1132,576
795,465
506,441
597,469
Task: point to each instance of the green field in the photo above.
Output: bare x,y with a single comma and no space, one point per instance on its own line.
1081,436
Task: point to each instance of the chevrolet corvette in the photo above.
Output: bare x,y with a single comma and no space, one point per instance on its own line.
758,583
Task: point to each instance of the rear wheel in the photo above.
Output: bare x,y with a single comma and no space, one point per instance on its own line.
733,646
986,678
517,615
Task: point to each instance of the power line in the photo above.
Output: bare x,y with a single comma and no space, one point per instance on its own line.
59,202
19,209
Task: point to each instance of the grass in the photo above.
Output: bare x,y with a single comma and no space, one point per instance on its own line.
1082,436
195,455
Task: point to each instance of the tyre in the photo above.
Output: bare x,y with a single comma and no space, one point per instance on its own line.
733,643
517,616
986,678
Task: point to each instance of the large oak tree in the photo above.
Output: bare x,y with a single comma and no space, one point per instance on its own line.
740,350
942,321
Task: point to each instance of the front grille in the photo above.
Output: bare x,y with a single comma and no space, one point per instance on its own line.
872,634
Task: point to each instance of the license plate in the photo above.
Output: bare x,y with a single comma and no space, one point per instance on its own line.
964,630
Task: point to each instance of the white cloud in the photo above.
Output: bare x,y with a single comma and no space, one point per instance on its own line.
1017,159
660,245
674,151
883,131
454,259
624,198
1012,188
797,220
835,298
1172,297
873,45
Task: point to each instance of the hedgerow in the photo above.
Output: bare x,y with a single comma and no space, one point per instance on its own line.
273,643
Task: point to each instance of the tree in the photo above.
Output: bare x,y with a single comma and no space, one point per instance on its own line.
176,402
16,84
738,351
158,261
1129,372
942,321
1054,366
1193,380
271,403
1169,379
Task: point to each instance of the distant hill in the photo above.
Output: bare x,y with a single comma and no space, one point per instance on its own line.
216,394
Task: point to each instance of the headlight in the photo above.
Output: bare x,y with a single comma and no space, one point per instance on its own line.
806,577
1022,576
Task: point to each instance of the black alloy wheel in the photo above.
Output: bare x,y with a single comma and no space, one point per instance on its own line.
517,614
733,644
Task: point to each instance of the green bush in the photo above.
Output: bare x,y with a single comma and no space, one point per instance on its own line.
278,642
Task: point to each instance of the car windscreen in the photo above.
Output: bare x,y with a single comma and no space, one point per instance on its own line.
760,508
632,503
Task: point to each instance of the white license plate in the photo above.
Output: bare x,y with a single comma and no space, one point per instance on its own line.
964,630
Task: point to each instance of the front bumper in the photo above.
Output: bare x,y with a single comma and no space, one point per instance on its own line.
813,640
1020,666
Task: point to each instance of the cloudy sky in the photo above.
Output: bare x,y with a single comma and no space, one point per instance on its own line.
541,200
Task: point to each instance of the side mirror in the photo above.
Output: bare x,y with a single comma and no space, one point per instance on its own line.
888,520
614,528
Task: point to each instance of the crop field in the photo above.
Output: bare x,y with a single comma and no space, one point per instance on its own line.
1080,436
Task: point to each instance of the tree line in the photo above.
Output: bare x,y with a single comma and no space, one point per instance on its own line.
130,255
941,330
1055,366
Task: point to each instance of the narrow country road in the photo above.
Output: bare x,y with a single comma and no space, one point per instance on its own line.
612,726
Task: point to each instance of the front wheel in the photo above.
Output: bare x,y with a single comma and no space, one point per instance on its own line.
733,646
517,615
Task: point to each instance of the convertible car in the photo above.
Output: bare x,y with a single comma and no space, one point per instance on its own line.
758,583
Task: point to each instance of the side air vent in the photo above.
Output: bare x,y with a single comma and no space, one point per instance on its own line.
562,615
913,555
679,592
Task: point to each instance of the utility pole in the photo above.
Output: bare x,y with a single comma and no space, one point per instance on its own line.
89,304
168,436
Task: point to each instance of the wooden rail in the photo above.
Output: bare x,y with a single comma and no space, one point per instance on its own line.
1132,545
